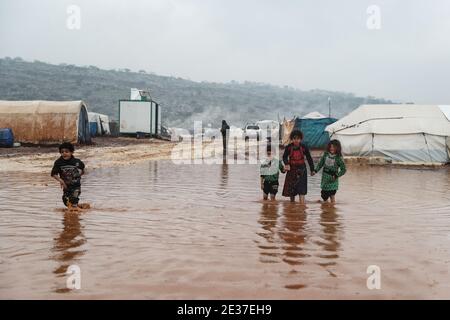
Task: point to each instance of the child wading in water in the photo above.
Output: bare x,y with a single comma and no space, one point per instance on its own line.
270,169
68,170
296,182
333,168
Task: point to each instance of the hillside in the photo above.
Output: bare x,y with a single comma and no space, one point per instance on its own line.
183,101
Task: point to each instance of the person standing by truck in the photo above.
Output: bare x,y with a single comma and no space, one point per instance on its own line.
225,130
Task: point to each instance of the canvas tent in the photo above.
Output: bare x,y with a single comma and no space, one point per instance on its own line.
401,133
46,122
286,128
102,123
313,127
314,115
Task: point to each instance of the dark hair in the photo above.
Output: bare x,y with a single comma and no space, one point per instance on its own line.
296,133
337,145
66,145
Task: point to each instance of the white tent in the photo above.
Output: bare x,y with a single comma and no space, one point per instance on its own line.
102,122
402,133
314,115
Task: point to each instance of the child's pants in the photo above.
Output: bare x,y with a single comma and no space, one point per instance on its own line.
327,194
270,187
70,196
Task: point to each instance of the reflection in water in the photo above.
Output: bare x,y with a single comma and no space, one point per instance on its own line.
67,245
224,175
293,234
329,235
153,167
284,240
268,221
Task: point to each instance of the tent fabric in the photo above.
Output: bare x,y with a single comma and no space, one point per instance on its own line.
93,128
402,133
447,142
46,122
314,134
393,119
286,128
314,115
102,121
418,148
446,111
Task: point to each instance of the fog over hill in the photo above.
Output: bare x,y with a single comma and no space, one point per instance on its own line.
183,101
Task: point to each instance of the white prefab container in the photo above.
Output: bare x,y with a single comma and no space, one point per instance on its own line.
139,116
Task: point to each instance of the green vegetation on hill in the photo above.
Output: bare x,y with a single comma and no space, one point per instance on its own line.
183,101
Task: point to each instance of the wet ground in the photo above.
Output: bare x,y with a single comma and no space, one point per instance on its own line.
104,152
159,230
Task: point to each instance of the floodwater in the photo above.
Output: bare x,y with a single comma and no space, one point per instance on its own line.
159,230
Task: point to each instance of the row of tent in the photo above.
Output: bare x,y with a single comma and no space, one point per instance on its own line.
404,133
50,122
399,132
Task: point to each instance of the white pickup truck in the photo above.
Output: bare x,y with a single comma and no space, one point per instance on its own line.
252,131
269,129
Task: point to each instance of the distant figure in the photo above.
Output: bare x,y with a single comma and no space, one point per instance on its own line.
296,182
270,169
225,130
333,168
67,170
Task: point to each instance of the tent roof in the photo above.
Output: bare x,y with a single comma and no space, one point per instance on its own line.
94,116
314,115
394,119
39,106
266,121
97,114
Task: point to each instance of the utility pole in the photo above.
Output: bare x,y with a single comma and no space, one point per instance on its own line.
329,107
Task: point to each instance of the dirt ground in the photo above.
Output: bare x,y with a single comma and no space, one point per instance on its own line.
98,142
103,152
116,151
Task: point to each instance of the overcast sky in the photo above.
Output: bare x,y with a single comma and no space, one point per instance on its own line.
323,44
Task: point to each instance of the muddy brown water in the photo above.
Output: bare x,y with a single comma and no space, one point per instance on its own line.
159,230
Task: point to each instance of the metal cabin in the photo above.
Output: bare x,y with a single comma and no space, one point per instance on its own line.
140,116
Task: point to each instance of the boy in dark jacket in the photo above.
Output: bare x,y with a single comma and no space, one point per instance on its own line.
67,170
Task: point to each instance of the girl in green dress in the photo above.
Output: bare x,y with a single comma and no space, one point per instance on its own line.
333,167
